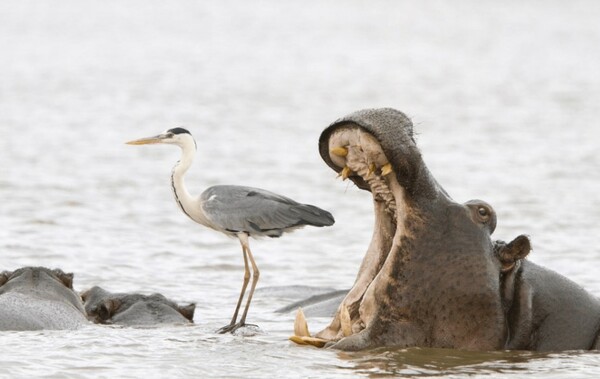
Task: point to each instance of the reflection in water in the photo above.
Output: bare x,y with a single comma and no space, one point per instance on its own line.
419,363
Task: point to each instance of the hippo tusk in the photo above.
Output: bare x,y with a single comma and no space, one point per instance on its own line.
345,173
300,325
302,335
386,169
339,151
314,341
346,321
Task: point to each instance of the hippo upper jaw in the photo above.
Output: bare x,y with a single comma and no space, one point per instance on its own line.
424,259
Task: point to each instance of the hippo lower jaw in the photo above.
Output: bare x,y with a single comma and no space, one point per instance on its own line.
363,159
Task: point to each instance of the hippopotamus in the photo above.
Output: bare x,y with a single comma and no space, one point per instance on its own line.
35,298
132,309
432,275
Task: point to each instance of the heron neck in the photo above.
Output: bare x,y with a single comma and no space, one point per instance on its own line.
183,198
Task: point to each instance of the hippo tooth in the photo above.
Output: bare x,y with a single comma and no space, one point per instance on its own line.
339,151
345,172
386,169
300,325
371,170
345,321
297,339
302,335
315,341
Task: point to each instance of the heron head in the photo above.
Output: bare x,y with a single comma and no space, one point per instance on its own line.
175,136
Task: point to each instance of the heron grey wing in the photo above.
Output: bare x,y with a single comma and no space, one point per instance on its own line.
286,213
245,209
255,211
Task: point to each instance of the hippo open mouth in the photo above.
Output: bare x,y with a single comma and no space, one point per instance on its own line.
427,255
359,156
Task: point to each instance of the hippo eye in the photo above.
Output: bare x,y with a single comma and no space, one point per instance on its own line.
483,212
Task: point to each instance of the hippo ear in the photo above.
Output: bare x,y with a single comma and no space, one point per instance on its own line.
188,311
65,278
509,254
4,277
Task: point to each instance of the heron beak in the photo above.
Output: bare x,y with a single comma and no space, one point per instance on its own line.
145,141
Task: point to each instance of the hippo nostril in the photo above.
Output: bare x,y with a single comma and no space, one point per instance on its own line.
104,311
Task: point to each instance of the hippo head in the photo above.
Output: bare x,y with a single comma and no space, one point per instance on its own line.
432,274
51,283
103,307
99,304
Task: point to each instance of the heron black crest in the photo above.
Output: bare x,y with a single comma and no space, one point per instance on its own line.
179,131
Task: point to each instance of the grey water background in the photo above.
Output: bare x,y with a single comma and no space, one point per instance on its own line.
504,96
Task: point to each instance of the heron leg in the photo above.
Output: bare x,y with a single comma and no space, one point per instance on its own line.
255,276
232,325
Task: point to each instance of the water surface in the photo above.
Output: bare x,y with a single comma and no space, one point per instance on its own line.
504,97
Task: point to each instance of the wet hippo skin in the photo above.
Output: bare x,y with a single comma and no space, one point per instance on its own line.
35,298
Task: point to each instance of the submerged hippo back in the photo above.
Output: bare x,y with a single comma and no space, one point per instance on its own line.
149,313
20,311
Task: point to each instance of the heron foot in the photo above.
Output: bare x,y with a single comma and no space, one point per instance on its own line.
233,327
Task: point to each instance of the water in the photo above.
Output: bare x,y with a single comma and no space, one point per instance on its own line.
504,97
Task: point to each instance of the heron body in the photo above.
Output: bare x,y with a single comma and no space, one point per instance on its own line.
256,212
236,211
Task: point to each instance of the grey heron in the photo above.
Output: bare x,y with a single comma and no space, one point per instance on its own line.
236,211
